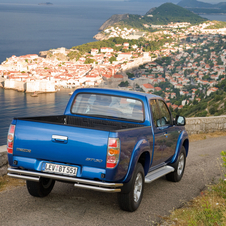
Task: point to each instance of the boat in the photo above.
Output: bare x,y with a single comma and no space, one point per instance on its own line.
34,94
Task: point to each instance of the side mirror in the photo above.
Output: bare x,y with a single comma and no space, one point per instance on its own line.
180,121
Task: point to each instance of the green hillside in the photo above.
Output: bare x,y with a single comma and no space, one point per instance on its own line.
164,14
169,12
213,105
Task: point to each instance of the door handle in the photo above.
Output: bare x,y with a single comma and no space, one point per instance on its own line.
60,139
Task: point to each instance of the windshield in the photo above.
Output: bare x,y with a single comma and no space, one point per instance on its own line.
105,106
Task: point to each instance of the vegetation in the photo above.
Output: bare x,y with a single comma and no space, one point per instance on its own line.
111,59
217,25
130,75
9,182
147,46
214,104
74,55
168,12
162,15
89,61
124,84
206,210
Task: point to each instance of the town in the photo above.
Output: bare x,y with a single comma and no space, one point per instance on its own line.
194,59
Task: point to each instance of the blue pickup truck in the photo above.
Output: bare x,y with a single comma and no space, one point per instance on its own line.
107,140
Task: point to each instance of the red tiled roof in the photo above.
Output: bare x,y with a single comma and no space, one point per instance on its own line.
148,86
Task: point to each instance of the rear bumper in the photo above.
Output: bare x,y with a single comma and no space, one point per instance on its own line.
81,183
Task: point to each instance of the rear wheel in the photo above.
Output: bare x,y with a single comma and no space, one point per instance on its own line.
130,201
179,167
41,188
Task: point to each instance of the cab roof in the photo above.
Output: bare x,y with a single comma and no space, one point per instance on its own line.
117,92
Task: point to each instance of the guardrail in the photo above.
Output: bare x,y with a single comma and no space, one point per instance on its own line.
211,124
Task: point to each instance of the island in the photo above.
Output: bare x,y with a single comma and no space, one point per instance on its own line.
203,7
47,3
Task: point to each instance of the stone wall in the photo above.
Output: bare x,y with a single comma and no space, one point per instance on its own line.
3,160
13,84
205,124
193,126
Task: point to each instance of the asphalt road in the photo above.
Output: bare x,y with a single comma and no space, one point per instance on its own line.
67,205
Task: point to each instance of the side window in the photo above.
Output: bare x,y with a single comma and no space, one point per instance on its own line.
155,111
165,114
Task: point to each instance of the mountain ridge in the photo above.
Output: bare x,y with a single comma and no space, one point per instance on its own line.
164,14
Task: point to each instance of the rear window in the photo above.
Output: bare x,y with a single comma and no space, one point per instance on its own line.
106,106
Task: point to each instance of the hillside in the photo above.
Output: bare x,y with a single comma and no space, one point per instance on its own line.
170,12
215,104
112,20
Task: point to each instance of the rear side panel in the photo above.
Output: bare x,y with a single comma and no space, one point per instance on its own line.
133,143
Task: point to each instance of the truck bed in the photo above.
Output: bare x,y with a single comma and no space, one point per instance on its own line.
84,122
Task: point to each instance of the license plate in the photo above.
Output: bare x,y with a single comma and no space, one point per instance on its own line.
60,169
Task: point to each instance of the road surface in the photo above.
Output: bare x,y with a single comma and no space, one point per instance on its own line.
67,205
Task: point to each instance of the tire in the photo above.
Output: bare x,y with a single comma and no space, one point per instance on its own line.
41,188
179,167
130,201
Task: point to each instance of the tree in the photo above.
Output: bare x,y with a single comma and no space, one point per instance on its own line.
89,61
113,58
124,84
212,110
130,75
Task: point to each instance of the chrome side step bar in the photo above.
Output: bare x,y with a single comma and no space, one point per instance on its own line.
154,175
82,183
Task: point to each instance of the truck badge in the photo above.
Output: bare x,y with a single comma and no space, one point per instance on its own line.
24,150
94,160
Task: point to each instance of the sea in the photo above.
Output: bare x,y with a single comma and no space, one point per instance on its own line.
28,28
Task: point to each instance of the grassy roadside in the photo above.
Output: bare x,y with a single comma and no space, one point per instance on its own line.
7,183
209,208
203,136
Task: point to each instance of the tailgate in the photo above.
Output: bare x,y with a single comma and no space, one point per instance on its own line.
61,143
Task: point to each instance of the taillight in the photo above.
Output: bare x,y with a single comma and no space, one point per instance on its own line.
10,139
113,152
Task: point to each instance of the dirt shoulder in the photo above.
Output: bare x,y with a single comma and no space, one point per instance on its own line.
203,136
7,183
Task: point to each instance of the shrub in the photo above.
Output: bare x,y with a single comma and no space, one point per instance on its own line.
212,110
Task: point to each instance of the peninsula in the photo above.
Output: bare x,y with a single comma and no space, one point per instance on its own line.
162,15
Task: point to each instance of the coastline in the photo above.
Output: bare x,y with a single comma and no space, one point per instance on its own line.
28,92
211,14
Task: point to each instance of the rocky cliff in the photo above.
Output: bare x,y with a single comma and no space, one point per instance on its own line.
113,19
100,37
